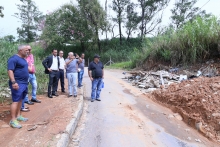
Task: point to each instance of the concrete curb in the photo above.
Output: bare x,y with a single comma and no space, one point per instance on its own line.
71,127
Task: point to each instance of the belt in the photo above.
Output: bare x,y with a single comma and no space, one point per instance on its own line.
97,77
62,69
55,70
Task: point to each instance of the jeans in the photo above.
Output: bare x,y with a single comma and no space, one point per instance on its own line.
33,81
96,88
53,82
72,79
80,78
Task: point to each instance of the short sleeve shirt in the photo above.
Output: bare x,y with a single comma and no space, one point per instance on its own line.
96,69
72,67
20,68
82,64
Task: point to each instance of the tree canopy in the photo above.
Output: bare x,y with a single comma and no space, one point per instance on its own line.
29,16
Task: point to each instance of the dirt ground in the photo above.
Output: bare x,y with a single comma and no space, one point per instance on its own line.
51,117
197,101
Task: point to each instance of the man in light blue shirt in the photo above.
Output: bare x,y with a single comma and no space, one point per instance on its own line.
72,73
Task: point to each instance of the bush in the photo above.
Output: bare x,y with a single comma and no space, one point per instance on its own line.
8,49
195,41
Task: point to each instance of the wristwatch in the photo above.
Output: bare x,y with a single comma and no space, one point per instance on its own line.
13,82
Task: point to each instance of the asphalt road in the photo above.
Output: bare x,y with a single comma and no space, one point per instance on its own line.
126,118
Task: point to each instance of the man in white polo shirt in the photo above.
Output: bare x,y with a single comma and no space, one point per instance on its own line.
61,70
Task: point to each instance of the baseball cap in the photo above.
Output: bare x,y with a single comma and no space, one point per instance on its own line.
97,56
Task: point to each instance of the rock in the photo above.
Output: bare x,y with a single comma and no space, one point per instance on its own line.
187,130
197,140
141,86
58,136
216,114
75,140
183,77
178,116
150,90
170,116
189,138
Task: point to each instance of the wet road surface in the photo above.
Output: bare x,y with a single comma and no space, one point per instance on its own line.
126,118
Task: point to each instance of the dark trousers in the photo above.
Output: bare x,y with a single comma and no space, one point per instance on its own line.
53,81
61,78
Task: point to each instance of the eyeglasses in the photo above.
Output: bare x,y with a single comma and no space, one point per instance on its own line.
29,49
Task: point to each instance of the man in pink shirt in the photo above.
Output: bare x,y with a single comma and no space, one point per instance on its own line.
32,80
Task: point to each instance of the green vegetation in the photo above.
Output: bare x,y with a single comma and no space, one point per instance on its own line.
122,65
8,49
196,41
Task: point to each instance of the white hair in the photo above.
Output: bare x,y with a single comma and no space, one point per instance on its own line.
70,53
22,46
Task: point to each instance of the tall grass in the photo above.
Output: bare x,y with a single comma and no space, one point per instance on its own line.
7,50
195,41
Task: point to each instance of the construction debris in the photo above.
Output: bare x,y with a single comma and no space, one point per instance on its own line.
193,95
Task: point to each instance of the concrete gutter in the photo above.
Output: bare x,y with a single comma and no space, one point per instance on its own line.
71,127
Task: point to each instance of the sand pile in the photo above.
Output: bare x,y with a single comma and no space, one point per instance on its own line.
197,101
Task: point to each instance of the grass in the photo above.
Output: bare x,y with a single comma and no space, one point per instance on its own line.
196,41
122,65
7,50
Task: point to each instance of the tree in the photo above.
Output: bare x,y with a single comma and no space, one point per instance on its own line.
30,17
1,13
95,17
9,38
132,19
66,25
78,27
184,11
51,29
119,6
149,10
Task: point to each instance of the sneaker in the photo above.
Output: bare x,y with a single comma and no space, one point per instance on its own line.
15,124
21,118
92,100
25,110
98,99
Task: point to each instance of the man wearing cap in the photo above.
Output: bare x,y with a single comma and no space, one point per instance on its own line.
96,74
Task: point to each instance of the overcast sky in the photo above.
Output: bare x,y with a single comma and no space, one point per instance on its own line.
9,24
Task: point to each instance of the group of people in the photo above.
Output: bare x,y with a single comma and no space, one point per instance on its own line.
21,72
56,66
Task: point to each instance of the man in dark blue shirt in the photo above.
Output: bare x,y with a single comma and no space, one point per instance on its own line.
96,74
18,83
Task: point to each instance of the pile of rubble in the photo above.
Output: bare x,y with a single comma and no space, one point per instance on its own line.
197,101
194,95
151,80
5,93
